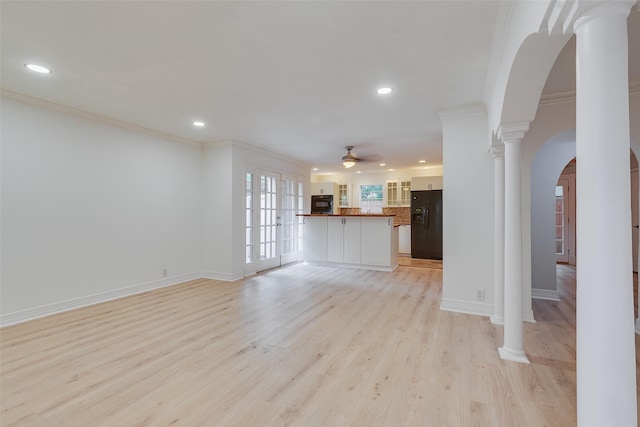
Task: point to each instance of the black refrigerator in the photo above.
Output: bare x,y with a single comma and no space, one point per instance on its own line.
426,224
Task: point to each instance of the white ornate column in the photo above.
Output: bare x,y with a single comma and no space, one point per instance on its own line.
497,151
513,347
605,353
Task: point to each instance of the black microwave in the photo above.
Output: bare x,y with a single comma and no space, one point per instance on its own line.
321,204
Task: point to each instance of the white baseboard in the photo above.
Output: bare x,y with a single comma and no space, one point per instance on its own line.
547,294
466,307
477,308
360,266
59,307
227,277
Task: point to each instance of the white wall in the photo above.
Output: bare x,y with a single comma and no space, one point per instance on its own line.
218,208
547,147
91,211
555,118
467,211
549,162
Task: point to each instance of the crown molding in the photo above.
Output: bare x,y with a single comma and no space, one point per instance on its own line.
499,41
462,111
570,95
511,132
257,150
37,102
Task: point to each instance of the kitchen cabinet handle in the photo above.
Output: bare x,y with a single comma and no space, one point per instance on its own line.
427,219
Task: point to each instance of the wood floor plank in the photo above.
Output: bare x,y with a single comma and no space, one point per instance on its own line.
300,346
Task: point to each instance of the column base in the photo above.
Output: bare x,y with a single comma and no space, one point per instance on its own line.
514,356
497,320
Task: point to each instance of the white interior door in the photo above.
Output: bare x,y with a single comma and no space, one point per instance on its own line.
634,218
562,220
268,221
292,203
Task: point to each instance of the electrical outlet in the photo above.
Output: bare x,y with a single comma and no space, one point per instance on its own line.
164,272
480,295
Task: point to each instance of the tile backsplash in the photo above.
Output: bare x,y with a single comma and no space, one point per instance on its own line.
403,214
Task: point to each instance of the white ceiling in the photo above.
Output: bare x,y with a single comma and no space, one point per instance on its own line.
296,78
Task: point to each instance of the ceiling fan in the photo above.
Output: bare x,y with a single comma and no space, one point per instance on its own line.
349,160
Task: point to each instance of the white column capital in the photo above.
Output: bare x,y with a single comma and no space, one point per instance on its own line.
563,15
611,7
513,132
497,150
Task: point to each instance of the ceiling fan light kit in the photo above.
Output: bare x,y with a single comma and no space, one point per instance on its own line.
349,160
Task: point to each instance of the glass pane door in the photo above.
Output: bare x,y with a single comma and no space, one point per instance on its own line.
268,222
290,249
561,225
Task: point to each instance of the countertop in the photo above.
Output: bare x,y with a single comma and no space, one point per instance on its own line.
379,215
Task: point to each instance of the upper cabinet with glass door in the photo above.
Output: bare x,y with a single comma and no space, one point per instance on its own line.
344,196
398,193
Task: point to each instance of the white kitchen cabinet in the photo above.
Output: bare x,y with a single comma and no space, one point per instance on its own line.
352,240
404,239
379,241
343,239
335,239
324,189
426,183
315,238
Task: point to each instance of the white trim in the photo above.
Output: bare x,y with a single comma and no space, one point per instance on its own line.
62,306
477,308
463,111
466,307
261,151
497,320
513,356
361,266
227,277
570,95
546,294
93,117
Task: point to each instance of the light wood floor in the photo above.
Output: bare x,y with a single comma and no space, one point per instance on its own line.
300,346
406,261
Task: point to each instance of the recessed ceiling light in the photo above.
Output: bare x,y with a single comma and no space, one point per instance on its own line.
359,172
390,170
38,68
198,124
422,161
382,164
384,91
314,169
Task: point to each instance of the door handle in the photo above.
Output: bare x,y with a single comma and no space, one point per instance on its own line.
427,219
636,226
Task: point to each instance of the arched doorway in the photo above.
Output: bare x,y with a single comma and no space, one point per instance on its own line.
554,157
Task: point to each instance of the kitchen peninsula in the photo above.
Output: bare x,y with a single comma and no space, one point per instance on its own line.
357,241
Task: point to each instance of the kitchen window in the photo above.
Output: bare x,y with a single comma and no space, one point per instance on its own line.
371,199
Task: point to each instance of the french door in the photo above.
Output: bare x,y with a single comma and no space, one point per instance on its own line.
565,209
271,227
